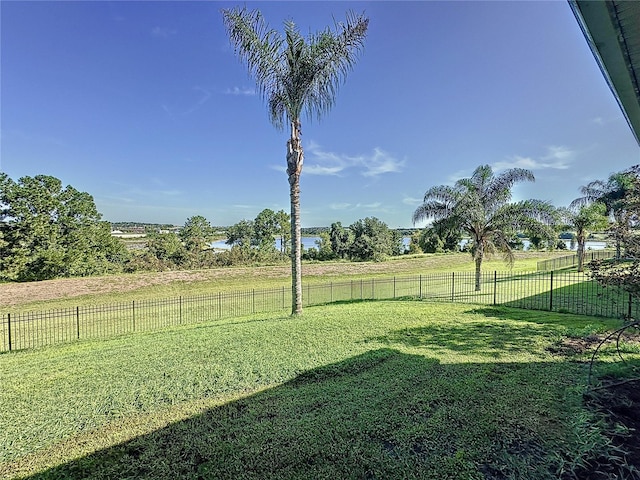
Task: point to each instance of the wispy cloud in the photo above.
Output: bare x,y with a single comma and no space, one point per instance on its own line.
204,95
377,206
559,154
340,206
322,170
240,91
379,163
556,157
321,162
412,201
163,32
127,193
605,121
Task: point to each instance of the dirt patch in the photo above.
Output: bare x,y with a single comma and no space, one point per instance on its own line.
574,346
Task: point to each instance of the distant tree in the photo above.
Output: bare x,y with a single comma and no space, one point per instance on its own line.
323,251
479,206
48,231
284,231
166,249
197,234
441,236
584,220
340,239
295,74
240,234
265,228
373,240
414,242
430,241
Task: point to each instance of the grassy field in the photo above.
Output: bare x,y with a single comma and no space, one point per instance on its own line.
386,389
72,292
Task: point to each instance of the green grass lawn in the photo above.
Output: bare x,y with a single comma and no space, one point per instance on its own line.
387,389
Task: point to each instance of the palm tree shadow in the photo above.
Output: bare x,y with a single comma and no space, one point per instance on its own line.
382,414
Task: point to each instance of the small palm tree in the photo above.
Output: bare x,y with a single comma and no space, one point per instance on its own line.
613,194
479,206
295,74
584,219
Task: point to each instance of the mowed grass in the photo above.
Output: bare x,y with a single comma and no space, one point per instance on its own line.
387,389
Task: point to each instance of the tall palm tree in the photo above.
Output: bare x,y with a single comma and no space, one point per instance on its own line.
295,74
479,206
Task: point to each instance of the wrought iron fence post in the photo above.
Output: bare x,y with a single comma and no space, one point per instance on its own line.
180,310
551,293
420,286
495,286
78,322
630,303
133,310
394,287
9,328
453,285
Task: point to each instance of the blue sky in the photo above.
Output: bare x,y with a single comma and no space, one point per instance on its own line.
145,106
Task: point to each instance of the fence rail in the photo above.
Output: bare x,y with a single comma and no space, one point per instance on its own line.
572,260
569,292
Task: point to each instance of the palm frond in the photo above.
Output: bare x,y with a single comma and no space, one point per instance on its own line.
293,73
431,209
332,55
500,187
256,45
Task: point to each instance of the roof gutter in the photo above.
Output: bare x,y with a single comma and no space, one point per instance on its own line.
612,30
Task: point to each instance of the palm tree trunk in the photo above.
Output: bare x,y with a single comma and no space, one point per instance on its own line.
478,266
580,256
581,243
295,159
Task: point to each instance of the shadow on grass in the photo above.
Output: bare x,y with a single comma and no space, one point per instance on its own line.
493,340
586,297
382,414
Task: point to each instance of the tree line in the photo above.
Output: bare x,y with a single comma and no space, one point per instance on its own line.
48,230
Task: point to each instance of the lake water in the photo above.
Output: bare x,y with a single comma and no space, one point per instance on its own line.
310,242
307,242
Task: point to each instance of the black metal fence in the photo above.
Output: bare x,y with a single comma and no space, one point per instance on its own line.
568,292
572,260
